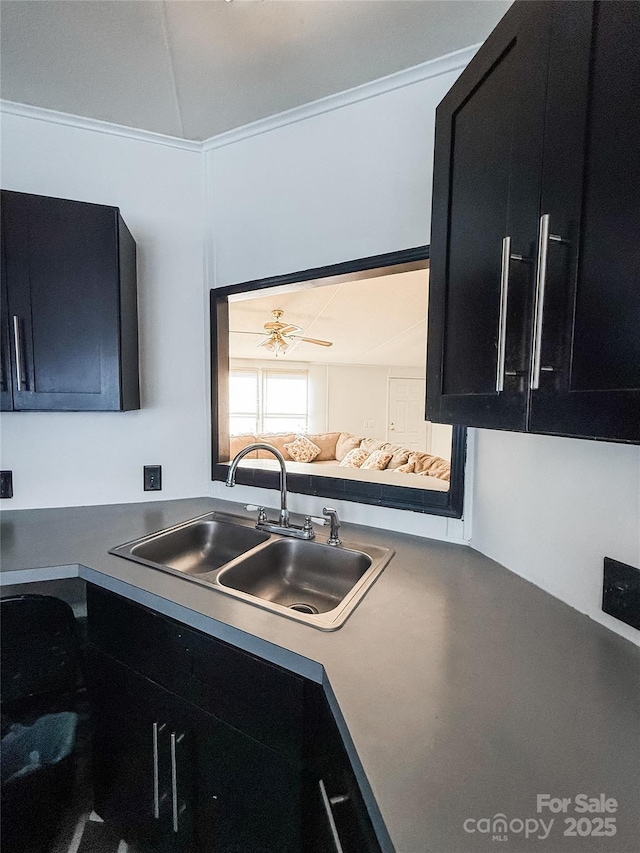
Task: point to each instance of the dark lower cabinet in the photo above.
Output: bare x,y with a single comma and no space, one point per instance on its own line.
133,720
200,747
337,816
173,778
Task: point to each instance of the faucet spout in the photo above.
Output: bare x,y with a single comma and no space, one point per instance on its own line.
231,476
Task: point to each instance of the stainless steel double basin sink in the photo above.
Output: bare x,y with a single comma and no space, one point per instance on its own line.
309,581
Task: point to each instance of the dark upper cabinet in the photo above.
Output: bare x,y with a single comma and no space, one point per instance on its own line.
69,308
6,384
534,305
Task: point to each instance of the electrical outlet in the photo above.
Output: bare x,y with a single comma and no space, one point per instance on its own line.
152,478
621,592
6,484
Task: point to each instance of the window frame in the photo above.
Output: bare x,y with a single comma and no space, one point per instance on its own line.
449,504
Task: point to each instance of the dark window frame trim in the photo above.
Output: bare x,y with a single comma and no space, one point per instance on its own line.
448,504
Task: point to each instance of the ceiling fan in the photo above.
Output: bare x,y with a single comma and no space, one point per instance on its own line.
280,336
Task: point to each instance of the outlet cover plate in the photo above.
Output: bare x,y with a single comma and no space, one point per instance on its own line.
621,592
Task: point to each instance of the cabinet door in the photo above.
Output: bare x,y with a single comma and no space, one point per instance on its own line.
336,815
142,758
6,384
487,172
62,273
589,325
249,798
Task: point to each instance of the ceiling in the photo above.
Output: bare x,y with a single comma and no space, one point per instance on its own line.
196,68
379,321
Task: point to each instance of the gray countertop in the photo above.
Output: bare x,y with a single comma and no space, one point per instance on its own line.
462,690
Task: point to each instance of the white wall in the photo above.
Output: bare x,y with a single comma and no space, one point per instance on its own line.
550,509
63,459
356,394
357,182
346,184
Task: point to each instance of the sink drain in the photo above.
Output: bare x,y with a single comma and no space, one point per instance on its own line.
304,608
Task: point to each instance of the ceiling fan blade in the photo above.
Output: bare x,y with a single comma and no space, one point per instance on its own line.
243,332
288,329
312,341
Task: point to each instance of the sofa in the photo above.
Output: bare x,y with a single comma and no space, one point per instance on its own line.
334,446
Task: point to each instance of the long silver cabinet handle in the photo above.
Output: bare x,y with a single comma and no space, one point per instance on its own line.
157,728
175,740
502,322
332,824
544,238
538,309
17,344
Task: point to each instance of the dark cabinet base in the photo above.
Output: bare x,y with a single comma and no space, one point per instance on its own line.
199,746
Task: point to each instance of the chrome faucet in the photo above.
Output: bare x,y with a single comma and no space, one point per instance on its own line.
283,526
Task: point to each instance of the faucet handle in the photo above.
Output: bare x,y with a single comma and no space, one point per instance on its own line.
262,513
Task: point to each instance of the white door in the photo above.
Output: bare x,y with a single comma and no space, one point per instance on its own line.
405,423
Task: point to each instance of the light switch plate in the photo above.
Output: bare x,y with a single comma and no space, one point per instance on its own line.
153,478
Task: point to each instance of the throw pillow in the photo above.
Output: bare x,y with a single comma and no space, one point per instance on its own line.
377,461
326,441
400,456
407,468
302,450
371,444
346,442
354,458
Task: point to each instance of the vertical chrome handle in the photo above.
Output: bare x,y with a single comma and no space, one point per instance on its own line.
538,311
175,740
332,824
17,345
502,322
157,728
544,238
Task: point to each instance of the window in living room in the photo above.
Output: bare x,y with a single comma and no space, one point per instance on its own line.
263,400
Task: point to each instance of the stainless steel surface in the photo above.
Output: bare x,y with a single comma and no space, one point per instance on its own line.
332,824
17,344
502,321
313,582
332,515
157,728
201,546
289,572
175,740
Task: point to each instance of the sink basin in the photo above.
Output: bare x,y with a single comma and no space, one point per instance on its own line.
199,547
311,582
305,576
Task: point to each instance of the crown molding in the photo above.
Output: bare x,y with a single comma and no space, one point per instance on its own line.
457,60
427,70
97,126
